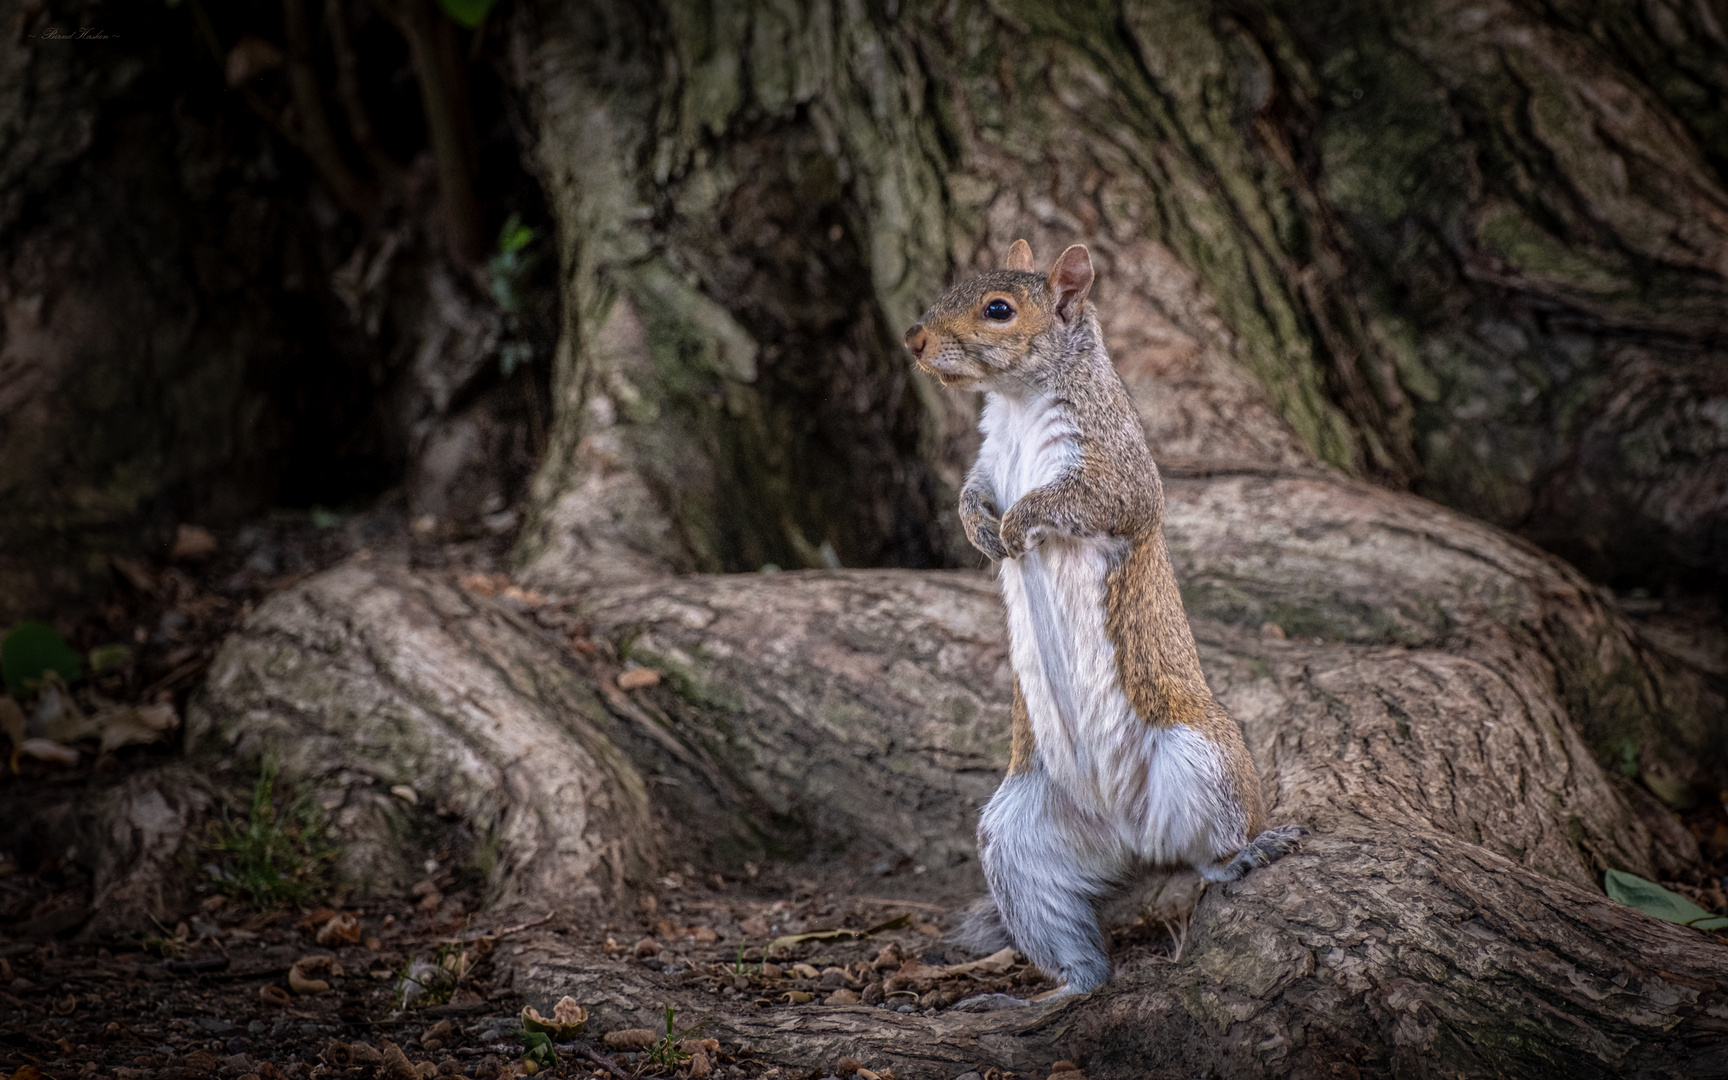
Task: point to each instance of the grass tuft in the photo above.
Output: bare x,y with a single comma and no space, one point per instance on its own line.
279,854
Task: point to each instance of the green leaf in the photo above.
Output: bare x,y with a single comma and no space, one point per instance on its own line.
470,13
31,650
1653,899
514,236
108,657
1678,796
537,1047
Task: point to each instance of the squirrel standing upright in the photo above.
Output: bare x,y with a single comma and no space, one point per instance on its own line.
1121,759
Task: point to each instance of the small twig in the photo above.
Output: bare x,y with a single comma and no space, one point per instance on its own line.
450,125
320,141
496,934
606,1061
898,903
353,105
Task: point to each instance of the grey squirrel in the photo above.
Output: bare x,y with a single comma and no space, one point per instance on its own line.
1121,758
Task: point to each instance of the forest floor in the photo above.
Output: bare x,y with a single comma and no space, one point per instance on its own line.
351,985
215,995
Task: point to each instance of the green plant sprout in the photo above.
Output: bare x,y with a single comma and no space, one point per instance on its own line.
275,856
665,1051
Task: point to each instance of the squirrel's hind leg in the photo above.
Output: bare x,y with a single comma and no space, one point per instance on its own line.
1269,846
1045,879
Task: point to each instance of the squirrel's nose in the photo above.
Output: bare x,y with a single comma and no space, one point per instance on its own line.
916,339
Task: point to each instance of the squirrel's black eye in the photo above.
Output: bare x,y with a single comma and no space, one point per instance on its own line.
999,310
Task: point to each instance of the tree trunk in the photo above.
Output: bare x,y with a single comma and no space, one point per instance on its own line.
1480,251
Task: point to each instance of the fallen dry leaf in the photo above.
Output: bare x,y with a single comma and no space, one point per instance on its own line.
396,1063
630,1039
434,1037
273,995
994,964
342,929
786,941
699,1066
195,541
487,585
250,57
637,678
565,1023
528,598
127,725
300,984
300,978
136,573
44,750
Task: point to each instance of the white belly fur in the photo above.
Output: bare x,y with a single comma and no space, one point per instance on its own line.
1159,789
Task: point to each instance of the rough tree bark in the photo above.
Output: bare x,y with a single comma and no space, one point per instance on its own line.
1478,249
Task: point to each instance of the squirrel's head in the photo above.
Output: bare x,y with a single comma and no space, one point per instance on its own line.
999,328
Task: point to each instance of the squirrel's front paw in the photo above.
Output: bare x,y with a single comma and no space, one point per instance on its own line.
984,536
978,517
1019,532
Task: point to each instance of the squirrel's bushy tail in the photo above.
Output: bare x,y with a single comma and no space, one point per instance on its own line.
982,933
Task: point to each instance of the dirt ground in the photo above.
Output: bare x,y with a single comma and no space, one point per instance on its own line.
213,996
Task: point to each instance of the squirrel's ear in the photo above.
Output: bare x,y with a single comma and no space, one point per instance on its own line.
1019,256
1070,280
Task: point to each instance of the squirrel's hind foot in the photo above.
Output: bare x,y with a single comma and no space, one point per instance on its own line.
1268,847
